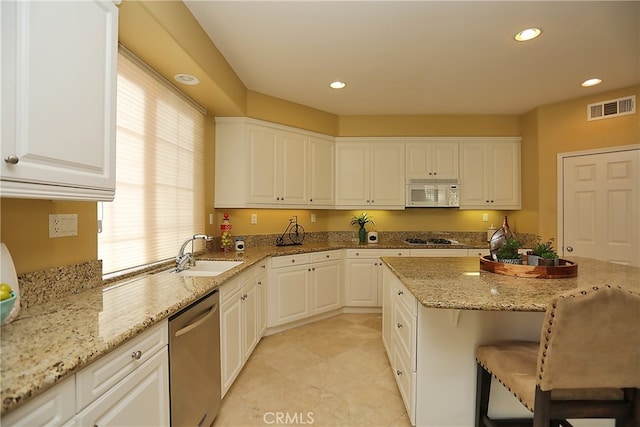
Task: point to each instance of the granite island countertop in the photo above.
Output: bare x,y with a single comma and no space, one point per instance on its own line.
459,283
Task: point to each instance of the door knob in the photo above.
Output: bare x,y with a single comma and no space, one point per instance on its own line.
569,248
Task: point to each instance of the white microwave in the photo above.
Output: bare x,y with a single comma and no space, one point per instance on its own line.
432,193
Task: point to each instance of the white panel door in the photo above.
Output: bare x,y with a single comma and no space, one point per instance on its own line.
601,217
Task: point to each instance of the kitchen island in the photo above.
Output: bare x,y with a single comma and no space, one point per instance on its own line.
436,311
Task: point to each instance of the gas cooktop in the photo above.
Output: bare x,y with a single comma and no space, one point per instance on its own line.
430,242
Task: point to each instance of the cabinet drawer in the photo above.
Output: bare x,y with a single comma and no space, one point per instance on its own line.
406,380
404,332
325,256
401,295
376,253
141,399
53,407
96,379
228,289
289,260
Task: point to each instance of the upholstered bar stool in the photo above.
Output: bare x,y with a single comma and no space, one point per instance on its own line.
587,364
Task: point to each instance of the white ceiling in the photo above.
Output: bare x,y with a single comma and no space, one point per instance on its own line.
425,57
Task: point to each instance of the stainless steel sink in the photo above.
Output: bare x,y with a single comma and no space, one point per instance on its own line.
209,268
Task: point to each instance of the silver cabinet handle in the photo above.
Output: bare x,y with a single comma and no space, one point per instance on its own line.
400,293
569,248
136,355
11,159
399,325
398,372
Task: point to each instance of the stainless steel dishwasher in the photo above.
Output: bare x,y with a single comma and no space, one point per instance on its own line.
194,363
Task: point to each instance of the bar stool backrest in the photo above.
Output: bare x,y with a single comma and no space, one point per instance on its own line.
591,339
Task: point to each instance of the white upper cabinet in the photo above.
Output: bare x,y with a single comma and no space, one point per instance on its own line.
277,172
433,159
322,155
58,99
261,164
369,173
490,173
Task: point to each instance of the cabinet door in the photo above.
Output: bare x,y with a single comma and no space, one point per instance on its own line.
473,180
505,175
292,170
231,351
58,97
142,398
432,159
288,295
321,172
249,319
352,174
490,175
261,282
325,277
444,160
387,175
262,154
362,282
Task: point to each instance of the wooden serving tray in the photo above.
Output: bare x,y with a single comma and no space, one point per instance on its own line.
564,270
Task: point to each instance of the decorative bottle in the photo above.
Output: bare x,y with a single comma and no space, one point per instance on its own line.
226,243
508,234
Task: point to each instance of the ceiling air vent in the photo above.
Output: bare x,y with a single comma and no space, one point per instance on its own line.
611,108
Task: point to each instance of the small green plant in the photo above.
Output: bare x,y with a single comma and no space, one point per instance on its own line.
509,249
544,249
362,219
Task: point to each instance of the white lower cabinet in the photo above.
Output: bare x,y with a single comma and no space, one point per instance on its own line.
303,285
399,332
56,406
142,398
128,386
363,276
242,321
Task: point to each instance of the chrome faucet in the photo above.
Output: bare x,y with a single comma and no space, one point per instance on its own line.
184,261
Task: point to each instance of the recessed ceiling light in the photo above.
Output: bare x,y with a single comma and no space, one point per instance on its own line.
186,79
528,34
338,85
591,82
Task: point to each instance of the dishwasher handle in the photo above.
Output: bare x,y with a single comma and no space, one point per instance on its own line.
200,321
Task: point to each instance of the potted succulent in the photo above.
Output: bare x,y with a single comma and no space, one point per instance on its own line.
543,254
362,220
508,252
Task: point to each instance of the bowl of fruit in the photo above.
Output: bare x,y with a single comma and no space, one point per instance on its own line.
7,299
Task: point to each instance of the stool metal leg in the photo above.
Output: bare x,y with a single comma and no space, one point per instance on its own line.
483,387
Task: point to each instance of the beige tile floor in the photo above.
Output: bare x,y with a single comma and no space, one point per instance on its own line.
333,372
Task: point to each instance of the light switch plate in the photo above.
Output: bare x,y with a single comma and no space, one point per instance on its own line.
254,218
63,225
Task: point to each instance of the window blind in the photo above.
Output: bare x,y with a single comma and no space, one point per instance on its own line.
159,199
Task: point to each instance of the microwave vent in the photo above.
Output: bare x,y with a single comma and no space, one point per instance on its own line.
611,108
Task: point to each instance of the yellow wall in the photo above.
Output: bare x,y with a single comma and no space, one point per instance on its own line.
430,125
563,127
25,231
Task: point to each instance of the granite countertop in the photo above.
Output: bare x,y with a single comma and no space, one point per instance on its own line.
458,283
55,339
52,340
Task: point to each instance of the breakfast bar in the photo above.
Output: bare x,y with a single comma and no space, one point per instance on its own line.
454,306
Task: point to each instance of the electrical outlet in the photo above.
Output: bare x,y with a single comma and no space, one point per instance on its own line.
210,219
254,218
313,218
63,225
485,217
